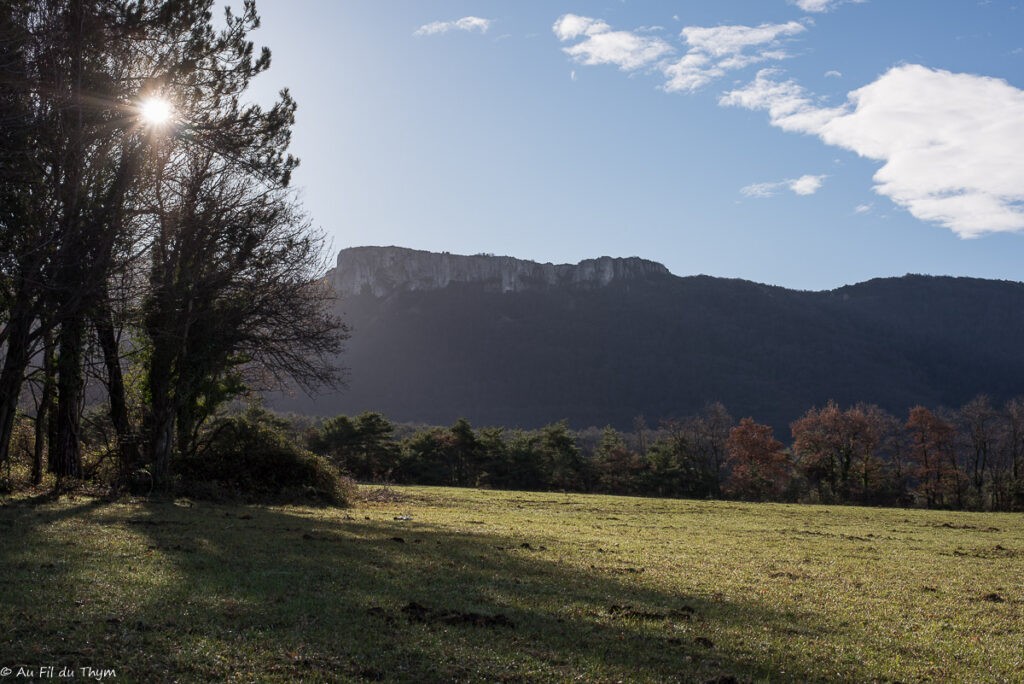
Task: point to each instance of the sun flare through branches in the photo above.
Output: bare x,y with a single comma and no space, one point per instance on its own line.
156,111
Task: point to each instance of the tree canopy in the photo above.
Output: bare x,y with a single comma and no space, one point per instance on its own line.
147,224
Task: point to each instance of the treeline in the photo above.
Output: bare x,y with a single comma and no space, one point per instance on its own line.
972,458
152,258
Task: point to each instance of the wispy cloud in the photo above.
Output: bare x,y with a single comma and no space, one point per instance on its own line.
832,73
712,51
727,41
469,24
716,50
951,145
821,5
804,185
761,190
599,44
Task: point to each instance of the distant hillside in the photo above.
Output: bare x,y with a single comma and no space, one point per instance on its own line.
503,341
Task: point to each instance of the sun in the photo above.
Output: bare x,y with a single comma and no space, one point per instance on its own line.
156,111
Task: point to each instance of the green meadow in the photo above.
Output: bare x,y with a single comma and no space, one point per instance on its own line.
431,584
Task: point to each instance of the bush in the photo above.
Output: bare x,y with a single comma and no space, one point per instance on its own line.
248,458
15,472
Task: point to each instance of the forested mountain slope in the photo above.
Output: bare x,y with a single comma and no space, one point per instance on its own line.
508,342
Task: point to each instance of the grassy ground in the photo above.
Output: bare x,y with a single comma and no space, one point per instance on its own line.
511,586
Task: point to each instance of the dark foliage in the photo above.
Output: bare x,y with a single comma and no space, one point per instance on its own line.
165,260
249,458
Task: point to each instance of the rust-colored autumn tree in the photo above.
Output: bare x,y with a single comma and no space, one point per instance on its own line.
838,451
889,469
933,451
759,468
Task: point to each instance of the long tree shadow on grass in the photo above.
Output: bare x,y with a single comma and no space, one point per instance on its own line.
164,592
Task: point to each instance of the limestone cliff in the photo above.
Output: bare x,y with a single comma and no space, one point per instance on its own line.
382,270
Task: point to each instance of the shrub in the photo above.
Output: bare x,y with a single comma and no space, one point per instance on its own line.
247,457
15,471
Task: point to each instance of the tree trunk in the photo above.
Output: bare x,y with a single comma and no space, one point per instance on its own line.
161,416
66,454
185,425
162,446
126,442
19,337
43,412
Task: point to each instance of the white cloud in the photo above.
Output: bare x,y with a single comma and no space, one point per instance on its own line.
951,145
804,185
716,50
473,24
601,45
570,26
761,190
788,105
814,5
723,41
713,51
691,72
832,73
469,24
820,5
862,208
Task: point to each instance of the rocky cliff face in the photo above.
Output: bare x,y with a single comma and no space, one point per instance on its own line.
380,271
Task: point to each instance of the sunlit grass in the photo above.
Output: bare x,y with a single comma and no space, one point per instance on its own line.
512,586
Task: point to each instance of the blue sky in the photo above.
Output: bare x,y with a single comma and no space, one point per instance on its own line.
717,137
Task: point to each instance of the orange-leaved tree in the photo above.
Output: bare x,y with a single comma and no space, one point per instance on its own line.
759,468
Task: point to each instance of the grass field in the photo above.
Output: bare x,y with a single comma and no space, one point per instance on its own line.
510,586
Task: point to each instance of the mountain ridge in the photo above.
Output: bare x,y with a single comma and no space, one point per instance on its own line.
651,343
383,270
360,266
